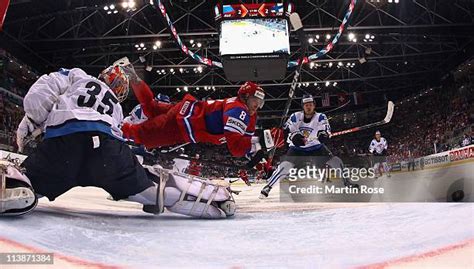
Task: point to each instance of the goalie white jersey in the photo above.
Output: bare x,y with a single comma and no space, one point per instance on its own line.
71,101
309,130
378,146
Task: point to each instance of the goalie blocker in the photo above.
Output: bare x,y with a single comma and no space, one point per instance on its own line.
16,194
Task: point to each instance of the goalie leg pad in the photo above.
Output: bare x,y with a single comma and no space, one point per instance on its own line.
16,193
198,197
152,198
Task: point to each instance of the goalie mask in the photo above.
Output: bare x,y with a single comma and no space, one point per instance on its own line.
115,77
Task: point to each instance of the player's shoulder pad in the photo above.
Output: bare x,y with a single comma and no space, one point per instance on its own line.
294,117
64,71
238,112
322,117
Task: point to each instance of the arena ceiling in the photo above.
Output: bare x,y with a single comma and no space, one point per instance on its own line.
415,43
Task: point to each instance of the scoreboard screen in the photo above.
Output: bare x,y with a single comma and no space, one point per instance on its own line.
254,36
252,10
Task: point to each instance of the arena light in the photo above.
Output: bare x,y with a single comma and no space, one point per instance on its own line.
327,83
334,84
199,69
328,36
129,5
199,44
351,36
310,40
112,6
186,88
330,64
181,70
369,38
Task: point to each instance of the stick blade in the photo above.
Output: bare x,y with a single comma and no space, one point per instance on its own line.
390,109
296,21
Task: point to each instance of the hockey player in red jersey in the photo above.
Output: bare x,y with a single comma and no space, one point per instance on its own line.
195,167
230,121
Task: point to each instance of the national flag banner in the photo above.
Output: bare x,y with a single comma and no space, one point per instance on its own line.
341,98
357,98
3,11
326,100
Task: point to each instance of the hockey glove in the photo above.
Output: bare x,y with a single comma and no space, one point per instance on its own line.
130,132
297,139
131,73
323,137
25,129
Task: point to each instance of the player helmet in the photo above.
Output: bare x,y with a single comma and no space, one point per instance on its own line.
116,78
163,98
378,133
251,89
307,98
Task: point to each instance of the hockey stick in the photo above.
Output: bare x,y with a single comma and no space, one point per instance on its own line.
387,119
174,148
298,26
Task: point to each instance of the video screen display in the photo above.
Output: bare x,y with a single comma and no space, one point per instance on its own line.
254,36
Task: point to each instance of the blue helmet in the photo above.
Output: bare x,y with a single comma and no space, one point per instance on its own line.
162,98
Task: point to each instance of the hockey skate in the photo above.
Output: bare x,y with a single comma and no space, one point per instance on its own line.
159,176
16,195
265,192
348,183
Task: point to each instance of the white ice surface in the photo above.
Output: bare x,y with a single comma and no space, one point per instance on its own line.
322,237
